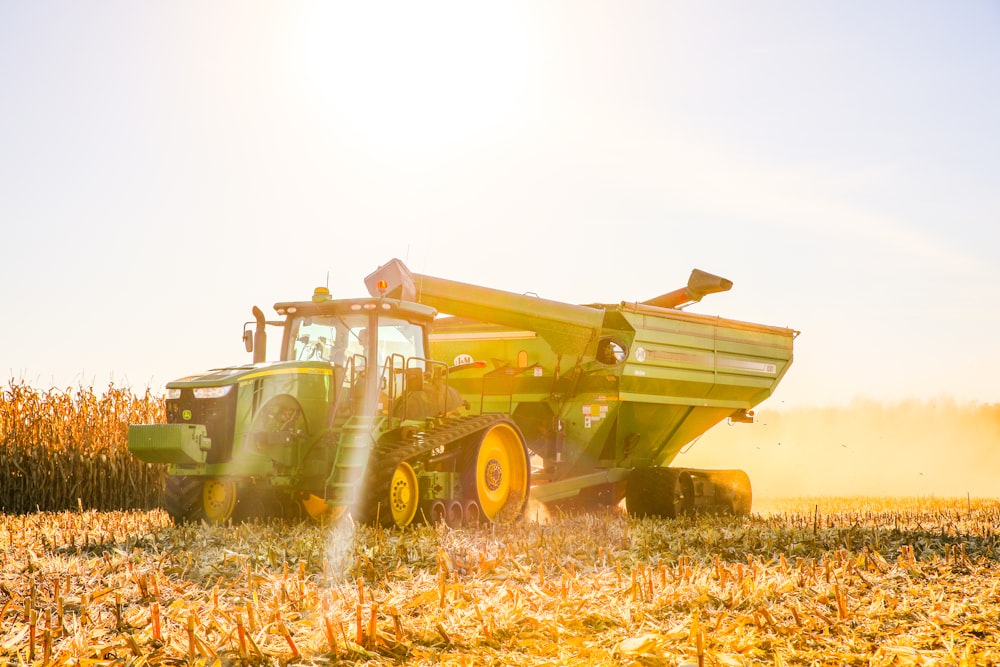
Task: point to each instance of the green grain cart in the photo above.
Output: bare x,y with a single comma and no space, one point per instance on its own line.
379,407
606,395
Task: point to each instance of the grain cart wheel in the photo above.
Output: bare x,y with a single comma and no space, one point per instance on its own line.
734,486
681,500
497,475
743,495
659,492
404,494
640,491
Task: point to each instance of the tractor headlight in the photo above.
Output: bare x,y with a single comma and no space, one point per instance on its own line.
212,392
173,394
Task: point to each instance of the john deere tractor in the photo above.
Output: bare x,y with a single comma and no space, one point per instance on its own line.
354,416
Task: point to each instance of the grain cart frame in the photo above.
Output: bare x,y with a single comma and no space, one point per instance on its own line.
607,395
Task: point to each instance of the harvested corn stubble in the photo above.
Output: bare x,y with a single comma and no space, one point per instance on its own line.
858,581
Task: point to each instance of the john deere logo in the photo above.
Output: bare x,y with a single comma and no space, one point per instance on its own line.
186,415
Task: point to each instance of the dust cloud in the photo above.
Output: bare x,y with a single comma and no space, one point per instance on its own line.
911,448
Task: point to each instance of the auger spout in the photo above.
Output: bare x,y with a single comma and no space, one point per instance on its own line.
569,329
700,283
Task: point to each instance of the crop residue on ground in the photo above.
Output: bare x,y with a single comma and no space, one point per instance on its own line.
811,581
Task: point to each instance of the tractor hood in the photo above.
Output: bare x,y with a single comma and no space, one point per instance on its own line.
218,377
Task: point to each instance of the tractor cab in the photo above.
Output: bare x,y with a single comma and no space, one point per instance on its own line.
376,347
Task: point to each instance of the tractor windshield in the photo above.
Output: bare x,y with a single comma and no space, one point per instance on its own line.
326,338
337,338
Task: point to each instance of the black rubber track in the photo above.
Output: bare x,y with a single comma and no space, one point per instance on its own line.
387,454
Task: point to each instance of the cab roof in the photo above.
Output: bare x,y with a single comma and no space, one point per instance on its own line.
323,305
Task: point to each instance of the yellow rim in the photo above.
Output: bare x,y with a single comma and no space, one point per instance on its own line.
501,470
219,500
404,494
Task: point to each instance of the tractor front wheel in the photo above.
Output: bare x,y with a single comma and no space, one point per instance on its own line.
218,500
182,499
192,499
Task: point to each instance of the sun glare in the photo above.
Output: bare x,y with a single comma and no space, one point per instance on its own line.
416,77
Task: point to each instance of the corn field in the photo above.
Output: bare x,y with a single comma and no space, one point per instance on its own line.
64,449
859,581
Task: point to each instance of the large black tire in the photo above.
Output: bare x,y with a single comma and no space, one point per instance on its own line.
659,492
640,490
182,498
185,500
591,499
734,486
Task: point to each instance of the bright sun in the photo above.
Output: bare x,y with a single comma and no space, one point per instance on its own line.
417,77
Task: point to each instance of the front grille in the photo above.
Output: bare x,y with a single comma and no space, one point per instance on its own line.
217,414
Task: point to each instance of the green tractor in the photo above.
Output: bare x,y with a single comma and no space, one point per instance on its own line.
381,408
354,416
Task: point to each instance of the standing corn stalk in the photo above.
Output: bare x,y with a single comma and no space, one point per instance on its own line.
61,449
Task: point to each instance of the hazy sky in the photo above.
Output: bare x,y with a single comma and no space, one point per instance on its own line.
164,166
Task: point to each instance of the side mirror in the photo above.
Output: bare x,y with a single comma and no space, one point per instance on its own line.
248,340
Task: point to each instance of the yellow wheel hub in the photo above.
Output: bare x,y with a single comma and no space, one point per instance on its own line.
404,494
501,470
218,500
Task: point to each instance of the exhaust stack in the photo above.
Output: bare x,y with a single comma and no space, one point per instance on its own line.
259,337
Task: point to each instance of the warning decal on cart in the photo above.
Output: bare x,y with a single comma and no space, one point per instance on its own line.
592,413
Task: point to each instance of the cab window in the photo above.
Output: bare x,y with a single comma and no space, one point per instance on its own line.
329,338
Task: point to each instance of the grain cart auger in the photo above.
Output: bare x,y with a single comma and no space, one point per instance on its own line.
354,416
606,395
